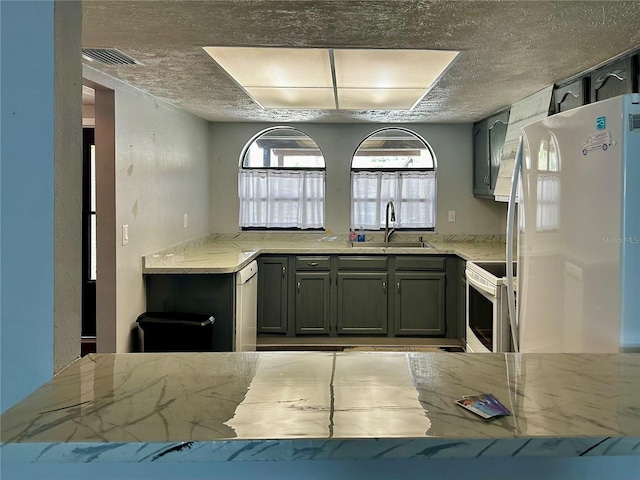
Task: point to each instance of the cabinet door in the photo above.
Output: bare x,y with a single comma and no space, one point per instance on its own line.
480,159
497,134
312,303
570,96
272,294
362,303
419,303
612,80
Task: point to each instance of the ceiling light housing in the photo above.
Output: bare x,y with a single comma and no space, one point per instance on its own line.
333,79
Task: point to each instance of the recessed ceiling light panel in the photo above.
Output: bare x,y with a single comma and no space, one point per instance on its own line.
313,78
389,69
378,98
294,98
275,67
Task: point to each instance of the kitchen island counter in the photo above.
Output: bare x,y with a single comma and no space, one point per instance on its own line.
229,253
317,406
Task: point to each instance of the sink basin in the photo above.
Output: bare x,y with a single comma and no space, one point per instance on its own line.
390,245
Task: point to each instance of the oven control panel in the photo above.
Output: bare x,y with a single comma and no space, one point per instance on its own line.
480,279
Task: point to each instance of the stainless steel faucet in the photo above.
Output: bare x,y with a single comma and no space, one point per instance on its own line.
387,232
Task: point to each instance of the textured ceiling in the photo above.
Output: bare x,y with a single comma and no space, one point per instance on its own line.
509,49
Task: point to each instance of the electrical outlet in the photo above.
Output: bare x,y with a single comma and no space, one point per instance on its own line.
125,234
185,220
452,216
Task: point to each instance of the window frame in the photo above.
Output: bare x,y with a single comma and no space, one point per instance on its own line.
276,169
433,169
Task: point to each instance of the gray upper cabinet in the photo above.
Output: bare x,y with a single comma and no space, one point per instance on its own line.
614,79
272,294
362,303
480,159
571,95
488,142
419,303
497,135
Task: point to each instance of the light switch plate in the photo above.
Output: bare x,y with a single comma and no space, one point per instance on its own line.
452,216
185,220
125,234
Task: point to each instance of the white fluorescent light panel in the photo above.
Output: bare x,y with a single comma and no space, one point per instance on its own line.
301,78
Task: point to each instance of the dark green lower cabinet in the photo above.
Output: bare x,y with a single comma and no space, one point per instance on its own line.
312,311
341,295
419,304
272,294
362,303
462,300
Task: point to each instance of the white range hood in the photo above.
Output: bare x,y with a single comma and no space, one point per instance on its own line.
530,109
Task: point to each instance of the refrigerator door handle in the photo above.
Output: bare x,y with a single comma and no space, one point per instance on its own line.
515,335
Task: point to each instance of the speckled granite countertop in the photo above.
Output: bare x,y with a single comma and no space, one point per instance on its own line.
323,405
230,252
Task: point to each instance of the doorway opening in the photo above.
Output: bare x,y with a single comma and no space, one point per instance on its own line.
89,271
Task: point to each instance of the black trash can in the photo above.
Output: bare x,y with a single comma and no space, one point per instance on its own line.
177,332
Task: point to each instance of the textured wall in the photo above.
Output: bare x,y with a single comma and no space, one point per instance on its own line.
105,138
68,184
161,173
451,143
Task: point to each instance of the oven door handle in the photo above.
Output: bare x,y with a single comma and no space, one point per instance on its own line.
472,282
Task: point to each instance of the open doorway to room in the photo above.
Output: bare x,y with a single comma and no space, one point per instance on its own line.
89,253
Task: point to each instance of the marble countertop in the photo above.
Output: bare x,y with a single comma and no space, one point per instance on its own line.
231,252
324,405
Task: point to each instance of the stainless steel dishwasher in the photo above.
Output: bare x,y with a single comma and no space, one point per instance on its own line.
245,330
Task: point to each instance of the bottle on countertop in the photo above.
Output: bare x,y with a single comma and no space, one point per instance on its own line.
352,235
361,234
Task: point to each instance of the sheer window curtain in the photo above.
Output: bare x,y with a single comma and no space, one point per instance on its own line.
548,212
413,195
281,198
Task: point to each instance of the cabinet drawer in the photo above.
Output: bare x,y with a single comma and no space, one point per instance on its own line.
420,262
313,263
363,263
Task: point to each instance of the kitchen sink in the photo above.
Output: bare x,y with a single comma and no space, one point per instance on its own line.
390,245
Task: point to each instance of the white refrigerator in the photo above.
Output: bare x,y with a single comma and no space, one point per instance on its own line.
578,228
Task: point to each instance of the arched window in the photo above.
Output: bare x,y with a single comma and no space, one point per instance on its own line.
393,165
281,181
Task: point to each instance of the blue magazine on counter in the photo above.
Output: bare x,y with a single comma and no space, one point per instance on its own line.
485,405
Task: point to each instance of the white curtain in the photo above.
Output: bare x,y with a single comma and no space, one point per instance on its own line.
412,193
281,198
548,212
